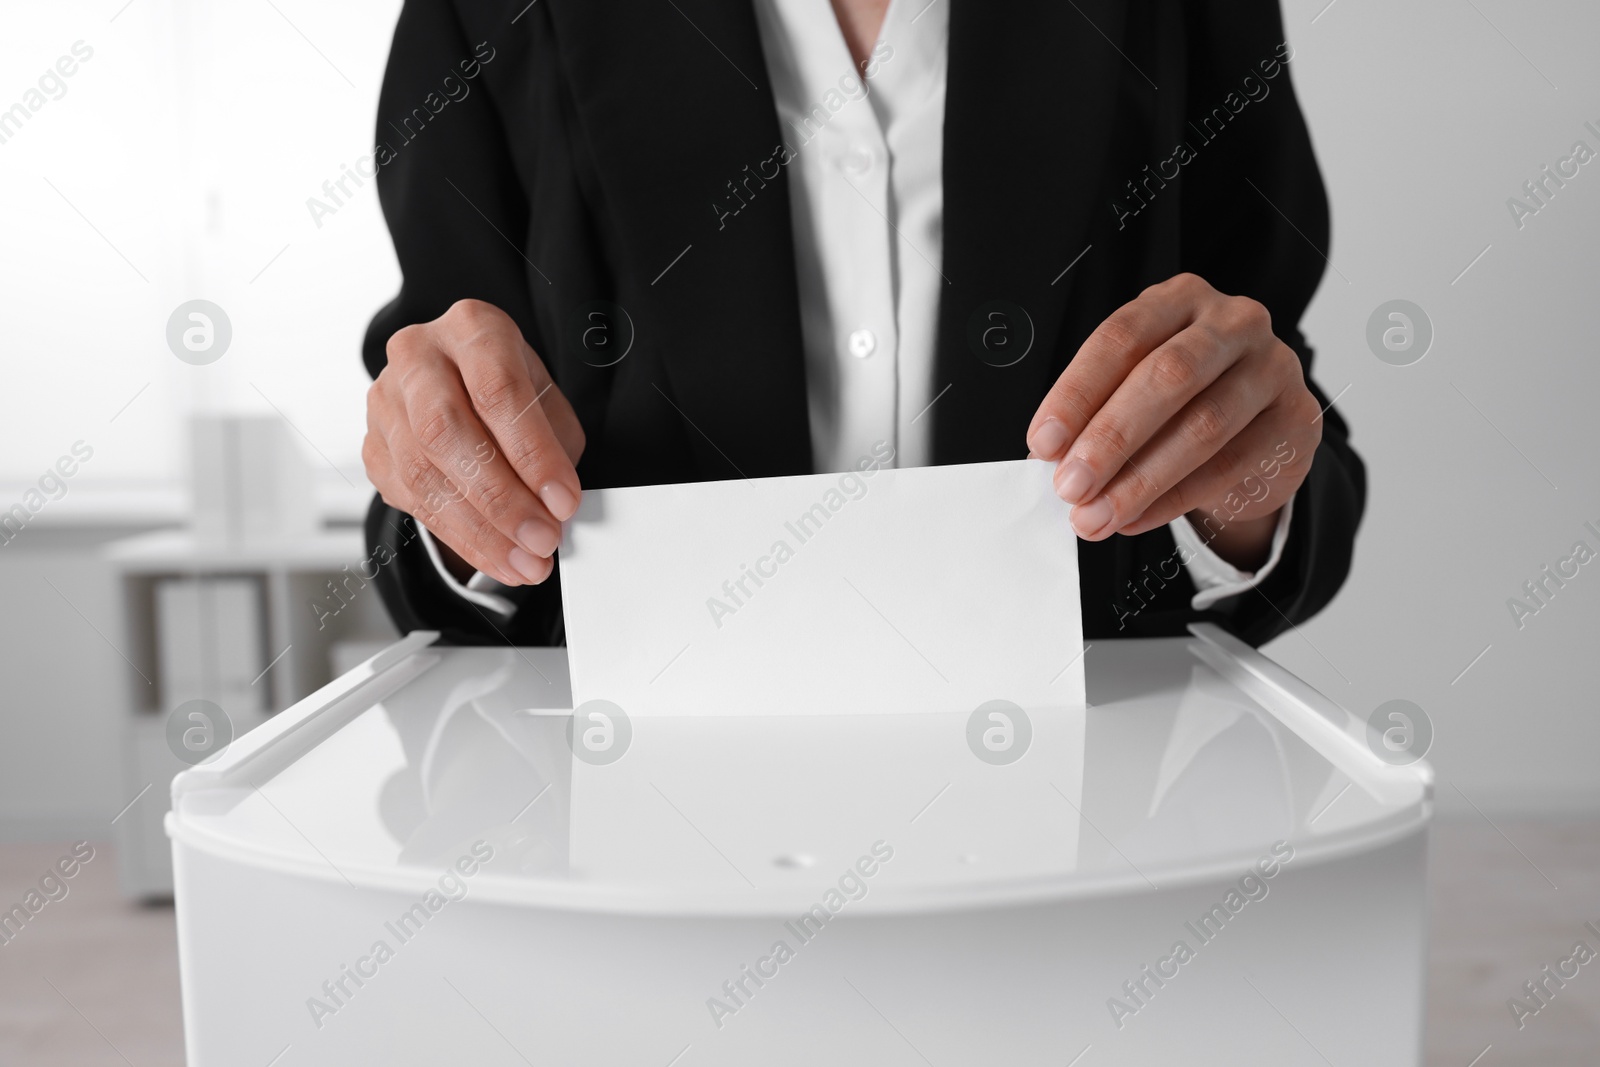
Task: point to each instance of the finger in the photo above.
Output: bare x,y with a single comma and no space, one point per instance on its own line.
1114,348
1205,425
557,409
1152,394
440,504
1262,467
459,445
376,456
504,393
382,471
486,345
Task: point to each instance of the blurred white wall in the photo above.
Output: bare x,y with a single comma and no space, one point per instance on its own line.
176,165
1427,117
176,162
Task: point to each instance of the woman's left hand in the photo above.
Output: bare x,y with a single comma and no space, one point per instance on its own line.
1169,406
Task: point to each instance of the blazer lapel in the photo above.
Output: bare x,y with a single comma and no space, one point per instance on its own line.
675,158
1027,119
677,111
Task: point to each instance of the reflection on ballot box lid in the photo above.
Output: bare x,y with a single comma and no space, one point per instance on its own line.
1194,756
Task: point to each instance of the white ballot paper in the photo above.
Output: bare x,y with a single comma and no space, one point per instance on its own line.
928,589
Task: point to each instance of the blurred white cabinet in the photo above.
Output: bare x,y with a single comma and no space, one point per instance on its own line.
249,627
210,642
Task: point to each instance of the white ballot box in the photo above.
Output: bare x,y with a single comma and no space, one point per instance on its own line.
434,860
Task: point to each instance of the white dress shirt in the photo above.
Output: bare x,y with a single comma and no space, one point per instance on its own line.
866,202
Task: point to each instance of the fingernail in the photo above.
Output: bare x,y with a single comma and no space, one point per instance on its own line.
1049,438
1074,481
532,568
559,499
540,538
1088,519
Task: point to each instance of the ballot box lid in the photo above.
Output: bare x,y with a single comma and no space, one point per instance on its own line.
1197,759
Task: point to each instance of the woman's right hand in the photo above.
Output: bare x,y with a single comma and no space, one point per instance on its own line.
467,433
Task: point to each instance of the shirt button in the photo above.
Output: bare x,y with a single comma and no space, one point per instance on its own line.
862,343
858,160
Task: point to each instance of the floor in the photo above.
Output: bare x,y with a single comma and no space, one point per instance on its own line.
93,981
1509,899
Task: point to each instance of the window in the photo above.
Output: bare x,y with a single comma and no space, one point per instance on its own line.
154,152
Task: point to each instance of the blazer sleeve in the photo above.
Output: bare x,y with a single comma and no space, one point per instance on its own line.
1255,223
455,208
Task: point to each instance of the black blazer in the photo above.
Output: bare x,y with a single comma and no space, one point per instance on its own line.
595,154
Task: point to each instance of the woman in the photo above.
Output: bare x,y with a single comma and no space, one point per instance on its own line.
699,239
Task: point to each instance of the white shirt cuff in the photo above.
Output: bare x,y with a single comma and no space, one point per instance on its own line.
1214,577
480,589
